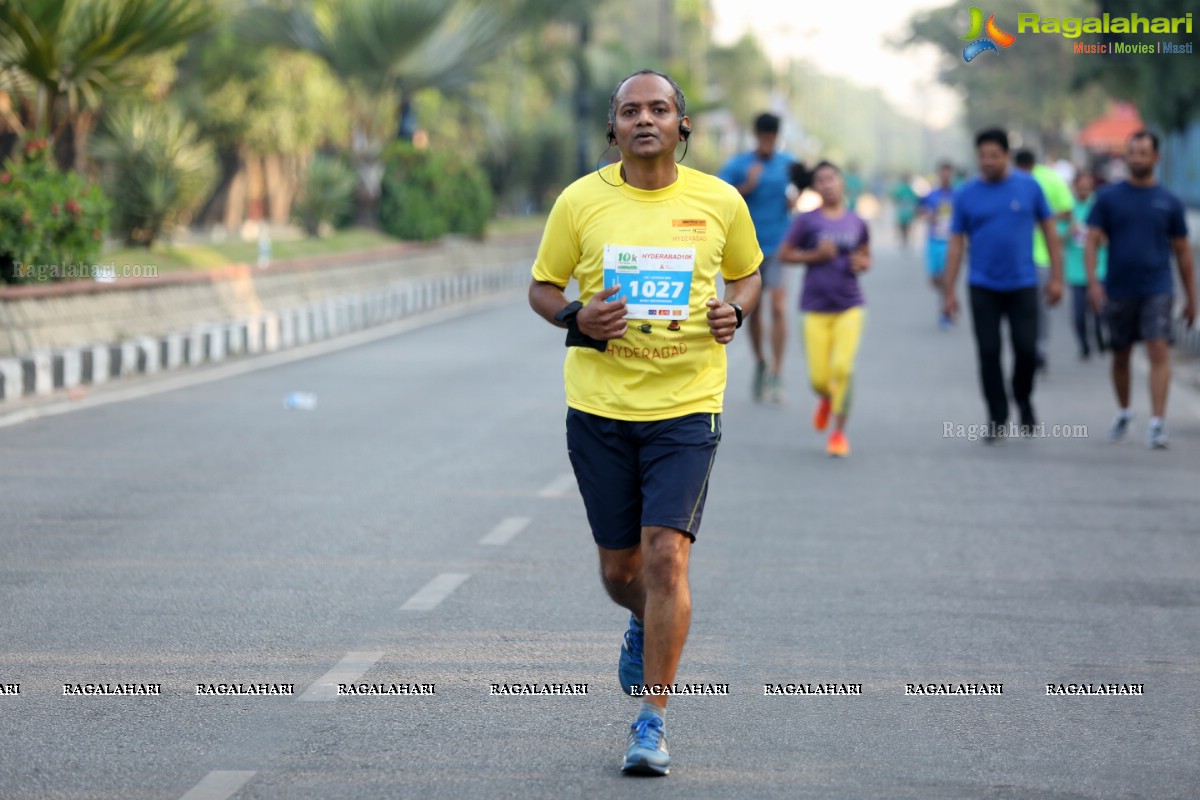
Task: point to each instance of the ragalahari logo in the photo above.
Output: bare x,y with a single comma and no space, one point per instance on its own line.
994,36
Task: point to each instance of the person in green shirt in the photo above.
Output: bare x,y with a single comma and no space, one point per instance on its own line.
854,186
1061,202
1086,321
906,199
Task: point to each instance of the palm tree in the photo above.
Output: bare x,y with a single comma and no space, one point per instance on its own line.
385,51
157,169
62,56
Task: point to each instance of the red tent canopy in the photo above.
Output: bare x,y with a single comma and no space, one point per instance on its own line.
1111,131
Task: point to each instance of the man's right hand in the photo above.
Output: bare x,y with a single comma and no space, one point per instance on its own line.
950,305
1097,298
601,319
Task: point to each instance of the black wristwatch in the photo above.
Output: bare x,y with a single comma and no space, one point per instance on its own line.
740,315
575,338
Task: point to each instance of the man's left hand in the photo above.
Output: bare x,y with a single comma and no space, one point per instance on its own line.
722,320
1054,291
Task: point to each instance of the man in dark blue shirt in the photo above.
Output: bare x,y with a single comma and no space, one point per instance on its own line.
1144,224
997,212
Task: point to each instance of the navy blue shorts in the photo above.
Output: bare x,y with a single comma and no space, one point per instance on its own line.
639,474
1138,319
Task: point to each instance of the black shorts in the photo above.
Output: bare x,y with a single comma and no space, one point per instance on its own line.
1133,319
639,474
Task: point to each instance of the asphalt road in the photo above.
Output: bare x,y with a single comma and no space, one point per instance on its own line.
420,527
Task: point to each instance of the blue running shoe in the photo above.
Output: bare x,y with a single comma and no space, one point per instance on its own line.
647,752
629,668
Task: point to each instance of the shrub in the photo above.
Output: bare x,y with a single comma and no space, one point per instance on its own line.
466,197
52,223
427,194
156,170
327,195
409,207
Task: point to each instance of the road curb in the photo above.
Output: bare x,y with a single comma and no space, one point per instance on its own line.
41,373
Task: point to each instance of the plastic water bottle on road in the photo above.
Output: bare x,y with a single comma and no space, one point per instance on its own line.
300,401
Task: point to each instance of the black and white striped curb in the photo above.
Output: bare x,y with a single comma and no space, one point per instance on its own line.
43,372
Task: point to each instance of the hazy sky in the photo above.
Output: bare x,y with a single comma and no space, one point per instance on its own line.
845,38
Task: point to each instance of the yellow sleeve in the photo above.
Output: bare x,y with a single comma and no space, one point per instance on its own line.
742,254
559,252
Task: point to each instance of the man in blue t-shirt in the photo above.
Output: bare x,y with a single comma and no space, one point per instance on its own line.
997,212
937,208
762,176
1144,224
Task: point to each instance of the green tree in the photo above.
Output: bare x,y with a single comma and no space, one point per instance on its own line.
68,54
385,51
1166,89
327,194
1030,87
156,169
744,76
267,110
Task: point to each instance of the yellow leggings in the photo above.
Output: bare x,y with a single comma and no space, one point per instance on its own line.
831,342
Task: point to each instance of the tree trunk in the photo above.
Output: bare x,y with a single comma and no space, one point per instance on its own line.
213,209
81,129
256,198
280,188
235,202
583,101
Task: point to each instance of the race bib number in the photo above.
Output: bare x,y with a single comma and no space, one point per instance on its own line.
655,281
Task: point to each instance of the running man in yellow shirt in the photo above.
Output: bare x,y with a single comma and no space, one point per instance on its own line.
645,369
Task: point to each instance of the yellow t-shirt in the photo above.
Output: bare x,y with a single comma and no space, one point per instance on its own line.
664,373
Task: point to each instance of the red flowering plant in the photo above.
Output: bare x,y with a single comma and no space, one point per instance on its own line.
52,223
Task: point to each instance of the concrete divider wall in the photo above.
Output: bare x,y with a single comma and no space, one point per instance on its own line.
62,336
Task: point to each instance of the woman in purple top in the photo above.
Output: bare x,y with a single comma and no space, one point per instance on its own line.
834,244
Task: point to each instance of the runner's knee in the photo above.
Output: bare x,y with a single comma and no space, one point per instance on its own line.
619,572
666,559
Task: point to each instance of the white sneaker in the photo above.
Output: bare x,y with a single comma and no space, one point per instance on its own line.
1156,437
1120,427
774,391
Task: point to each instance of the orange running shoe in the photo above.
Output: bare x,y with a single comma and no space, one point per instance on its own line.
821,415
839,445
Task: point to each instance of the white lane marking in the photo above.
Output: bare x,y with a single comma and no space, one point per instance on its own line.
435,591
504,532
348,670
559,486
148,387
218,785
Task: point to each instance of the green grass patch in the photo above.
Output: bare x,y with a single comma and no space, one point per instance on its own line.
170,257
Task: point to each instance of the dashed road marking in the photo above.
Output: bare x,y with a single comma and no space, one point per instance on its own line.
435,591
559,486
348,670
219,785
504,532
